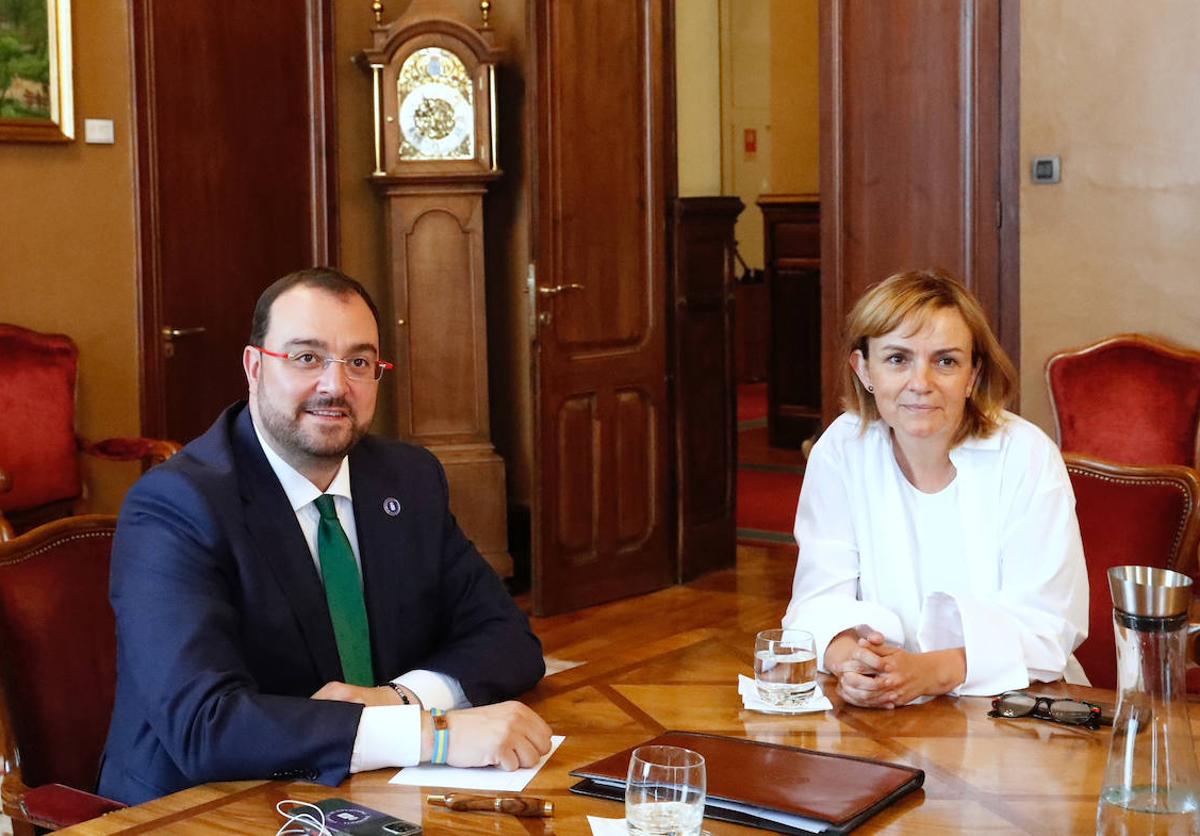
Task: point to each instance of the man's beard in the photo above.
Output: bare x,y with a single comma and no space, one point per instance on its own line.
290,435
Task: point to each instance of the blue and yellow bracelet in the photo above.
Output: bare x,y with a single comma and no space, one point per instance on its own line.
441,735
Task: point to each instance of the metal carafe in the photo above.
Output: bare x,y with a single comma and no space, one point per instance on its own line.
1151,784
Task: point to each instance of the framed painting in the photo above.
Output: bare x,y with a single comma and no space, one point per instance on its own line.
35,71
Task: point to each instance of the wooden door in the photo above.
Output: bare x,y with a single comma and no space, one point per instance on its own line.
918,99
601,503
235,185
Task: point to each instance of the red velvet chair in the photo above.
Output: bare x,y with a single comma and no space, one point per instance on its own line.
1128,399
1148,516
39,451
57,670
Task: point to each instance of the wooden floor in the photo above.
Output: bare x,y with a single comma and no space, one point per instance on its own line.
643,653
731,605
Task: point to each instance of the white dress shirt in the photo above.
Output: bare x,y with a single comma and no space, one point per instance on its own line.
992,563
388,735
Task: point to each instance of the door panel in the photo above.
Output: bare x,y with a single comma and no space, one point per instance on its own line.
635,483
577,454
600,521
233,165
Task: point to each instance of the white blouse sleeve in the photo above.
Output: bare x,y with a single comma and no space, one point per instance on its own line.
825,589
1028,629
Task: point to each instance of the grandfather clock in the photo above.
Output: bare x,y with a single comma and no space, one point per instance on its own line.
435,155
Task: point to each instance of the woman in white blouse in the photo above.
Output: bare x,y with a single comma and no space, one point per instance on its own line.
939,550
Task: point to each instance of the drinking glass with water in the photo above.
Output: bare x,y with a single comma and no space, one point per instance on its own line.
785,667
664,794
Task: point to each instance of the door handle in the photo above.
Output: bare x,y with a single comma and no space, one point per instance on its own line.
557,289
170,333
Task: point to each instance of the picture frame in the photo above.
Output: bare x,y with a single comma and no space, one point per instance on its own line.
36,91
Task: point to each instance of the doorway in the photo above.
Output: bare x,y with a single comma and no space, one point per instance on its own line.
770,118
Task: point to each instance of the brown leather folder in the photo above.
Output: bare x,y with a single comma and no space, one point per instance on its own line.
748,779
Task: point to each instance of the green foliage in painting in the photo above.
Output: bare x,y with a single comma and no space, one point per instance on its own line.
24,60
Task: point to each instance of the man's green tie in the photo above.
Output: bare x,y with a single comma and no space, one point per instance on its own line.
343,591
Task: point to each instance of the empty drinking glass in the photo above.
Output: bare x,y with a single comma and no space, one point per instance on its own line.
664,795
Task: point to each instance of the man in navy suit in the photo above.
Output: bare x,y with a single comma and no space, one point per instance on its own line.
293,596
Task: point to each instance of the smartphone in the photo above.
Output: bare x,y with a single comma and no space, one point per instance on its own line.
347,818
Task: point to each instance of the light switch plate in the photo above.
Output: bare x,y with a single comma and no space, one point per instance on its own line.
98,131
1046,170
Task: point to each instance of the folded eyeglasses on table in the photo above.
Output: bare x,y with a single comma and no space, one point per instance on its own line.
1016,704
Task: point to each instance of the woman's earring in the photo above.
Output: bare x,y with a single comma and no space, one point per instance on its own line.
870,388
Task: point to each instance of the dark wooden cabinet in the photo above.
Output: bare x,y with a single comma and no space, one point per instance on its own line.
792,249
703,396
751,332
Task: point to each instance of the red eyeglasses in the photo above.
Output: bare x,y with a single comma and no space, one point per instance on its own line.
309,363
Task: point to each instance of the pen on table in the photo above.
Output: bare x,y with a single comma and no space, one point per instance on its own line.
516,805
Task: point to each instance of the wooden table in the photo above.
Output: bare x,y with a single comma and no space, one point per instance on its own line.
980,774
670,661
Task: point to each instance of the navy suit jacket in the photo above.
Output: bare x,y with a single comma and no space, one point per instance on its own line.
223,632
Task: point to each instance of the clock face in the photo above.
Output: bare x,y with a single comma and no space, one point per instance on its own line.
436,107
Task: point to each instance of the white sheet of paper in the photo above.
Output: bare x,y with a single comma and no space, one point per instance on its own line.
479,778
749,694
554,666
607,827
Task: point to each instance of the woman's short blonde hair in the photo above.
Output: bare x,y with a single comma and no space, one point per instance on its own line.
913,297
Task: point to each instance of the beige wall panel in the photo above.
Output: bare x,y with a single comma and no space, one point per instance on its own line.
795,109
1114,88
698,96
68,246
746,104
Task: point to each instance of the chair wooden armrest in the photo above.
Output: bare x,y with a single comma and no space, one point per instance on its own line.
150,451
6,530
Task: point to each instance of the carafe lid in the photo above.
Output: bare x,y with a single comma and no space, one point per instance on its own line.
1147,592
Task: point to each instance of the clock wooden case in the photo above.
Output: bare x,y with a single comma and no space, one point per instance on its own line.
433,83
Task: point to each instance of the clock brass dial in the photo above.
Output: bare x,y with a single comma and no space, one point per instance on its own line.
436,107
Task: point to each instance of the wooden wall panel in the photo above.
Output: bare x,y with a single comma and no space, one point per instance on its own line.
911,164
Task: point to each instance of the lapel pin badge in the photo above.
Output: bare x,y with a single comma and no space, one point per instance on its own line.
391,506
